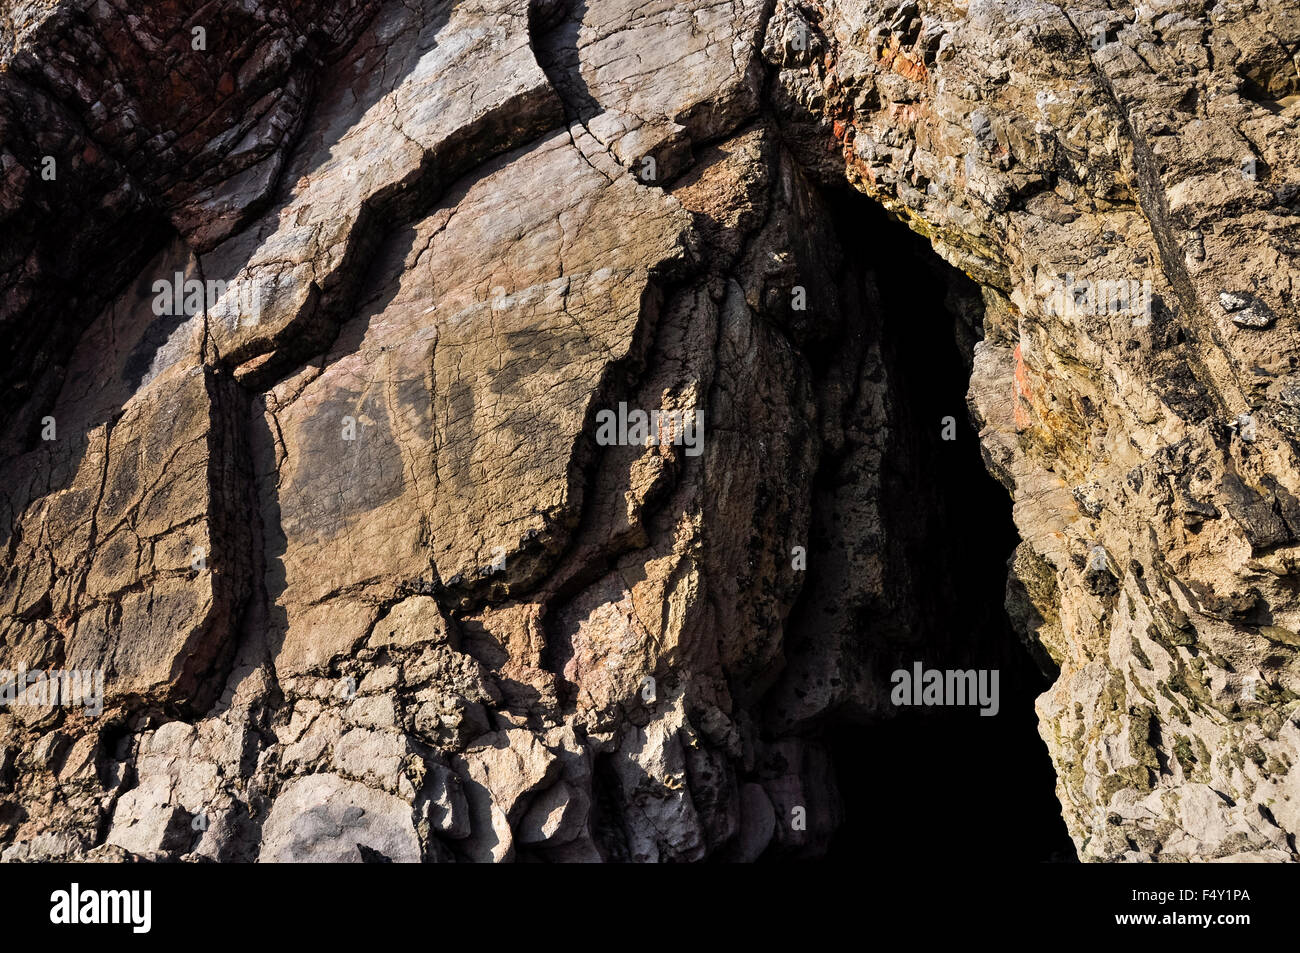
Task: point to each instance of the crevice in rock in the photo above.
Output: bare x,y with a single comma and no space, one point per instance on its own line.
1273,80
945,538
1219,390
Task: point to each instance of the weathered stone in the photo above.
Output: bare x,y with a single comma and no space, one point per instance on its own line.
323,818
352,521
555,817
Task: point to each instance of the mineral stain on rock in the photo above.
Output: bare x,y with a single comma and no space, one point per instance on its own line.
363,585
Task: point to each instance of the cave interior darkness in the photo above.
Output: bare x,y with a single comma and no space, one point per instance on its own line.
938,781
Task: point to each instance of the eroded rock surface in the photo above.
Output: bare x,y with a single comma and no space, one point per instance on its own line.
332,514
1143,158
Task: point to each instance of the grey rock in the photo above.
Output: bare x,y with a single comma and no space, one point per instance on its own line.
324,818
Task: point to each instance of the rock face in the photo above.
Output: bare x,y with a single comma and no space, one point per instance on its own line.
1124,184
329,327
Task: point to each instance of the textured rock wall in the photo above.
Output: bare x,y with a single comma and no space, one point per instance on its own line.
339,532
1150,450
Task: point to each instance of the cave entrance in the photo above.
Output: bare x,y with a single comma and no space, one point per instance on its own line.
942,781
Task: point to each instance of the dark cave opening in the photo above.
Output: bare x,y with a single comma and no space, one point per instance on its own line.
943,781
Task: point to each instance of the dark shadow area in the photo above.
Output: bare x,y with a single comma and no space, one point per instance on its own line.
1271,77
554,27
942,782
